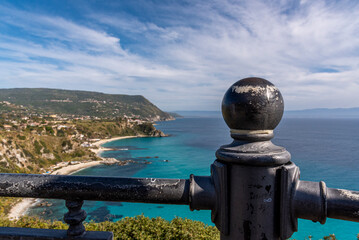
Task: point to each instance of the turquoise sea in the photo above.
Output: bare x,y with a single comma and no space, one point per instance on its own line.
324,149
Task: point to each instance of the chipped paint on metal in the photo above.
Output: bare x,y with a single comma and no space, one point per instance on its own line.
95,188
349,194
254,89
267,93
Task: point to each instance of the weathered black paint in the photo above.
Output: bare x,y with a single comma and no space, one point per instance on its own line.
252,104
247,230
74,218
316,202
170,191
265,194
252,108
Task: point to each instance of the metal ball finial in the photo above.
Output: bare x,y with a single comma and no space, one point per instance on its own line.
252,104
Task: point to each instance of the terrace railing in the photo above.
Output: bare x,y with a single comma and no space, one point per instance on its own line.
254,190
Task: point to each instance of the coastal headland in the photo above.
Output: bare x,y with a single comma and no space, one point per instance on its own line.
20,208
52,131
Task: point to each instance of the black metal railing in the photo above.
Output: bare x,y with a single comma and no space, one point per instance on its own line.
254,190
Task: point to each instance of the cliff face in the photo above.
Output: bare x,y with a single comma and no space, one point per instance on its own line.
158,133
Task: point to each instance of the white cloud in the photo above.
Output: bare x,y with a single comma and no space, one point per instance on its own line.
188,59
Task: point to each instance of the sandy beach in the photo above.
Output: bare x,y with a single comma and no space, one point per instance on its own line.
96,146
103,141
21,207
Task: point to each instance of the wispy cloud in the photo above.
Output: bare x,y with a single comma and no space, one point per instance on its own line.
186,56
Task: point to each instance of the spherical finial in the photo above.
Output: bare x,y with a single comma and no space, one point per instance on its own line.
252,104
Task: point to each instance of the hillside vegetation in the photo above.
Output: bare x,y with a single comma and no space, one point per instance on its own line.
37,145
31,148
81,103
31,153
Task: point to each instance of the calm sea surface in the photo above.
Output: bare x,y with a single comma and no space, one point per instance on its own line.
324,149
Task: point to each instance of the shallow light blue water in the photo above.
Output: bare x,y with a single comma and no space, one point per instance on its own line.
324,149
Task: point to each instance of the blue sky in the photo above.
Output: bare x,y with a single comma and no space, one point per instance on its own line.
184,55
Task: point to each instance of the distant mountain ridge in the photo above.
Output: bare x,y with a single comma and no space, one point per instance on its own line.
324,113
83,103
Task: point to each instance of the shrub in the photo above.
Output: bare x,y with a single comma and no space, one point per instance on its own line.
38,147
21,137
60,133
78,153
139,227
27,153
49,130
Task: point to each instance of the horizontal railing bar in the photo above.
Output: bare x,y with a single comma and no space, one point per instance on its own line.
146,190
314,201
343,204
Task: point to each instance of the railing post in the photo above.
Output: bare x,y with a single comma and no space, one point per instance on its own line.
252,108
258,193
74,217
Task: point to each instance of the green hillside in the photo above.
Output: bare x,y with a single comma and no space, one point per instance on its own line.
82,103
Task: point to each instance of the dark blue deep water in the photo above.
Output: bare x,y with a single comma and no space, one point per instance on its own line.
324,149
